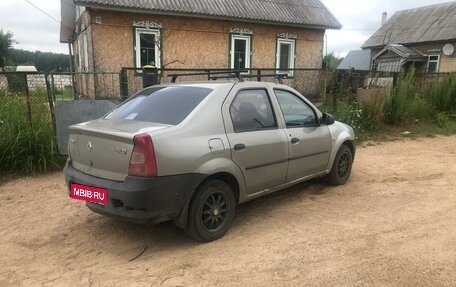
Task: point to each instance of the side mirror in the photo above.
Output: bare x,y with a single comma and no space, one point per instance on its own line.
327,119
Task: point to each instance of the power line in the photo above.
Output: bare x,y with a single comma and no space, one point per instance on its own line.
42,11
45,13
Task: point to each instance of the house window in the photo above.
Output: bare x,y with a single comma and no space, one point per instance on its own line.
285,58
433,64
240,52
147,47
389,66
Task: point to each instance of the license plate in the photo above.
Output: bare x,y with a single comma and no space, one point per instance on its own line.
89,193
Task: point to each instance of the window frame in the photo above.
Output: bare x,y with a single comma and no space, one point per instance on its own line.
137,48
248,49
83,53
437,67
268,96
317,120
291,60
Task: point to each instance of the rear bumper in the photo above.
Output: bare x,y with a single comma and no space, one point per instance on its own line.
140,200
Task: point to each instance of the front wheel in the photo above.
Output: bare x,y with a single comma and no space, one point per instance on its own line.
342,166
211,211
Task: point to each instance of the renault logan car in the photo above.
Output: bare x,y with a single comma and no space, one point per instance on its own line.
190,152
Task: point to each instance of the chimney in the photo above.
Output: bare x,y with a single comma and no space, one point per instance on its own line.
384,16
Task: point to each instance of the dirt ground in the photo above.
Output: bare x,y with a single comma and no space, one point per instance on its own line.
393,224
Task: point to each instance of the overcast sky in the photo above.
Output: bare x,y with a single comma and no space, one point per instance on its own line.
33,30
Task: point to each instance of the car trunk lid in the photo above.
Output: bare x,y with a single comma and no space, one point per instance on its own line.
103,148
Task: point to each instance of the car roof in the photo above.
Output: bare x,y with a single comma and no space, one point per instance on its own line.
217,83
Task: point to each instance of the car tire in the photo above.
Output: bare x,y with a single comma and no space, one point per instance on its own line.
211,211
341,169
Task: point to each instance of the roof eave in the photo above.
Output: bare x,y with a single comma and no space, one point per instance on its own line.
408,43
68,16
205,16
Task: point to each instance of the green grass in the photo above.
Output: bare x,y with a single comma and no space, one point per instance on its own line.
64,95
27,143
413,130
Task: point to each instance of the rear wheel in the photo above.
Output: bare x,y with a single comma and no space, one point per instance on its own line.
211,211
342,166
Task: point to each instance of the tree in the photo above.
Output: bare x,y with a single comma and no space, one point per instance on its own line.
330,62
6,43
43,61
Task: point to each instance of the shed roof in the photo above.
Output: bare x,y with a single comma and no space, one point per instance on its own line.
311,13
356,59
26,69
433,23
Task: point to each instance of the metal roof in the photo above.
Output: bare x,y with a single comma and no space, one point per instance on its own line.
403,52
425,24
302,13
356,59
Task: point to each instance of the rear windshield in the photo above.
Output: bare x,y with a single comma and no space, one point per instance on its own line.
164,105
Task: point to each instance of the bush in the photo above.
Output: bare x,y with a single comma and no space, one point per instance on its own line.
442,120
405,104
397,107
372,115
442,94
27,143
362,117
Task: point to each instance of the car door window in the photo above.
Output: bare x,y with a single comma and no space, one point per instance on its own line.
251,110
296,112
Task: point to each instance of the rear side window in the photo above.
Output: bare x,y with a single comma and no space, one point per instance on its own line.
164,105
251,110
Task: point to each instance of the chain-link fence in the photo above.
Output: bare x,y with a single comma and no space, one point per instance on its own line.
27,142
90,86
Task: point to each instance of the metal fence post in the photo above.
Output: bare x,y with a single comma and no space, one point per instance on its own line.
51,99
123,84
27,94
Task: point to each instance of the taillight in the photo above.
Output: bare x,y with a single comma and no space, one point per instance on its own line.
142,161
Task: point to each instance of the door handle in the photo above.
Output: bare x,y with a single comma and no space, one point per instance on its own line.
294,140
239,147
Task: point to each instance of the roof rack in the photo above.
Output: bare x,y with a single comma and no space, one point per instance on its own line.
230,74
213,74
259,76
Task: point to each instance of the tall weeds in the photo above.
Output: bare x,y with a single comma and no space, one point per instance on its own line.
405,103
397,106
27,142
442,94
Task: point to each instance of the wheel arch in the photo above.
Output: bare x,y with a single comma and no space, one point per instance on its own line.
344,139
351,146
224,176
229,179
